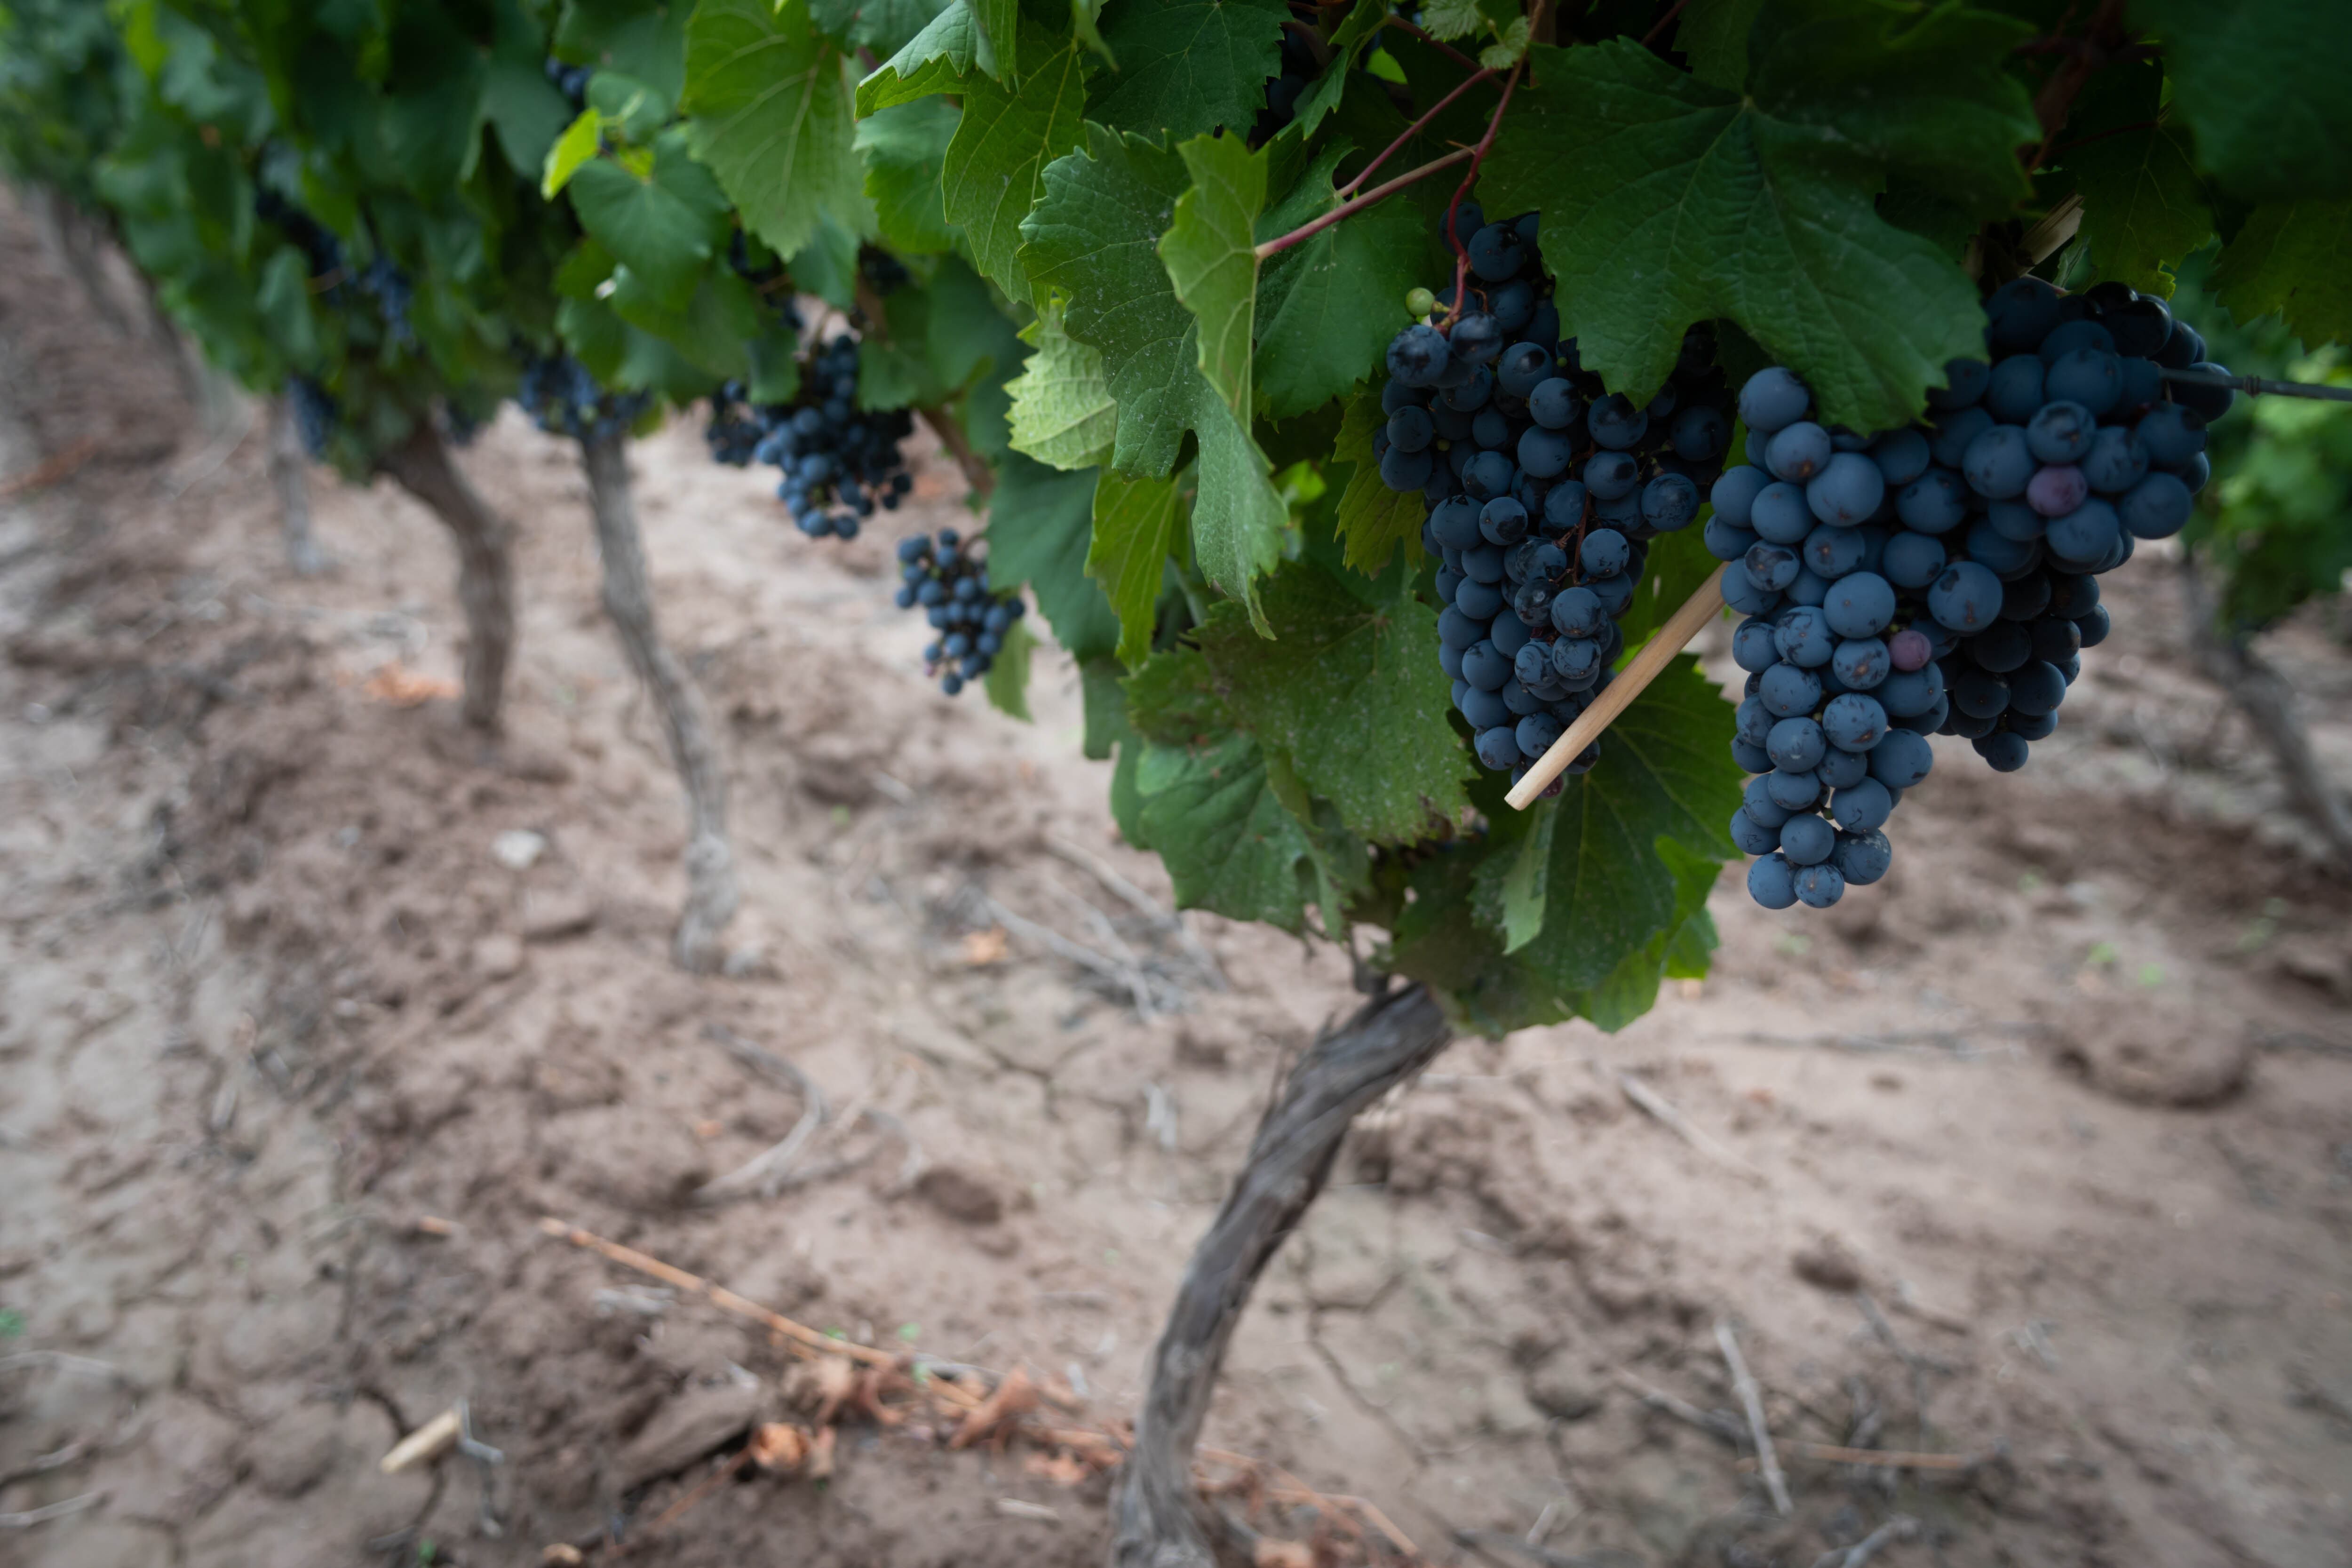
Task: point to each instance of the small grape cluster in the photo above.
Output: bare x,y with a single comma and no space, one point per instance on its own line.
1940,579
572,82
388,285
950,585
1543,489
563,399
1299,70
316,414
380,280
831,455
317,242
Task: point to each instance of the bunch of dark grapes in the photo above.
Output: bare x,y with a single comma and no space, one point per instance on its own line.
1940,579
318,243
315,412
572,82
389,287
1299,70
950,585
1543,489
563,399
380,280
839,464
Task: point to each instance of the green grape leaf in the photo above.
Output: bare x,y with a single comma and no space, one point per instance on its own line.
2260,84
904,147
882,24
718,320
1134,525
2144,207
1668,202
1039,524
1924,92
770,115
1350,695
647,42
998,23
826,265
663,227
631,110
1620,889
995,165
1714,34
433,103
1092,238
1229,844
282,296
1240,521
1374,519
1062,412
1209,251
1007,681
1451,19
1329,305
1105,708
575,147
1679,950
2290,259
1322,96
524,109
1187,66
1665,772
934,60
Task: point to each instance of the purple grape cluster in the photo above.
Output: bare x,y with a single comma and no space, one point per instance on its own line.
1940,578
949,582
1543,489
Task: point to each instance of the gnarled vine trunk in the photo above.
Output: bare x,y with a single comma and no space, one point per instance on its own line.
710,895
289,474
1389,1039
2268,702
421,465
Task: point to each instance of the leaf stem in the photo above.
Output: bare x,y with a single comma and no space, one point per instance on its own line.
1663,22
1409,131
1347,209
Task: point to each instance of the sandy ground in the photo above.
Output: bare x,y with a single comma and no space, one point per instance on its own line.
2068,1101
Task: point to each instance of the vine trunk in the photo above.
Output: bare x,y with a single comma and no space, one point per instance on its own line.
289,475
710,893
421,465
2268,703
1390,1038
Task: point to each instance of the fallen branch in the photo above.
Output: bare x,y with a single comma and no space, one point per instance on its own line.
49,470
1902,1527
1751,1399
1712,1421
765,1172
1650,1101
31,1517
1168,920
718,1296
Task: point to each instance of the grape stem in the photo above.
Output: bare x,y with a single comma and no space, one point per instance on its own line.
1663,22
1313,227
1409,131
2256,385
1477,157
1648,665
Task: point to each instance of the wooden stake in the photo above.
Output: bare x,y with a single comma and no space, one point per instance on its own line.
1671,639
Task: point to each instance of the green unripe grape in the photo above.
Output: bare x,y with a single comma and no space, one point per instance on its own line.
1419,301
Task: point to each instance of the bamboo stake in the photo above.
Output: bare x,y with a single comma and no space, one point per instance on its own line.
1670,639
